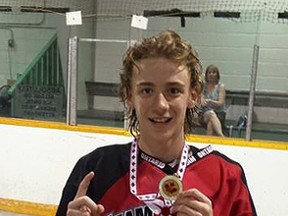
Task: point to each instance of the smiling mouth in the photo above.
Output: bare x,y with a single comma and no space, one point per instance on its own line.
160,120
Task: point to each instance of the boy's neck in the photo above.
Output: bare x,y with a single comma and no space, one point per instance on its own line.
164,151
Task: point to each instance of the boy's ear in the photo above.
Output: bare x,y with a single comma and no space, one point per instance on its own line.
194,98
191,103
129,103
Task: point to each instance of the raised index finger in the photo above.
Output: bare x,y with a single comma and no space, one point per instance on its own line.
84,184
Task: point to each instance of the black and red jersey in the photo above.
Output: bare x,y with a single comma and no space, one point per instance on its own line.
218,177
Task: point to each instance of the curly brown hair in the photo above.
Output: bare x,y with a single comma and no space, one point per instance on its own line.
167,44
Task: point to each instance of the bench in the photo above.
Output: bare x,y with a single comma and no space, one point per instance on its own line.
105,92
270,111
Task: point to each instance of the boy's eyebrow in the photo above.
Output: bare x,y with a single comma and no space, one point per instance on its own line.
176,83
146,83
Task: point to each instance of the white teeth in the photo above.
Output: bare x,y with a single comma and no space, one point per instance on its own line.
160,120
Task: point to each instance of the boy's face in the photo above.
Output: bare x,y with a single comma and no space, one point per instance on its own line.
160,94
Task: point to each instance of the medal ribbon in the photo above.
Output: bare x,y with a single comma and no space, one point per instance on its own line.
147,198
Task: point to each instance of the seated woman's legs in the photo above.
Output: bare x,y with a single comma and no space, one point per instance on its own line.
214,127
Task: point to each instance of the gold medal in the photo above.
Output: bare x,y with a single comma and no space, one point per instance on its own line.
170,186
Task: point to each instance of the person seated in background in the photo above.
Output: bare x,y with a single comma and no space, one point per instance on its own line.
213,113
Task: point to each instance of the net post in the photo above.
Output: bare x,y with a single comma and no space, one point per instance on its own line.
71,115
252,92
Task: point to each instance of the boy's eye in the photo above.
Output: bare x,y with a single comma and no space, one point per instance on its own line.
174,90
146,91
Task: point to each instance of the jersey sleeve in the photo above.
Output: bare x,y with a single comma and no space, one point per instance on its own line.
231,194
243,204
108,163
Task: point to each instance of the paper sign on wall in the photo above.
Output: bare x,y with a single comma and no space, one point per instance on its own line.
74,18
140,22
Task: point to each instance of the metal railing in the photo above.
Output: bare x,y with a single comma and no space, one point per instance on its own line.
43,74
45,68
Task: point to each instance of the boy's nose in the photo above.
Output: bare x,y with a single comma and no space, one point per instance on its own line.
161,102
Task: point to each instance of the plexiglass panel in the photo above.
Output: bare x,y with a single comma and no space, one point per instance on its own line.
34,58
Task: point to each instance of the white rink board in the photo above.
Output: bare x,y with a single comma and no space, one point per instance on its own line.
35,164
